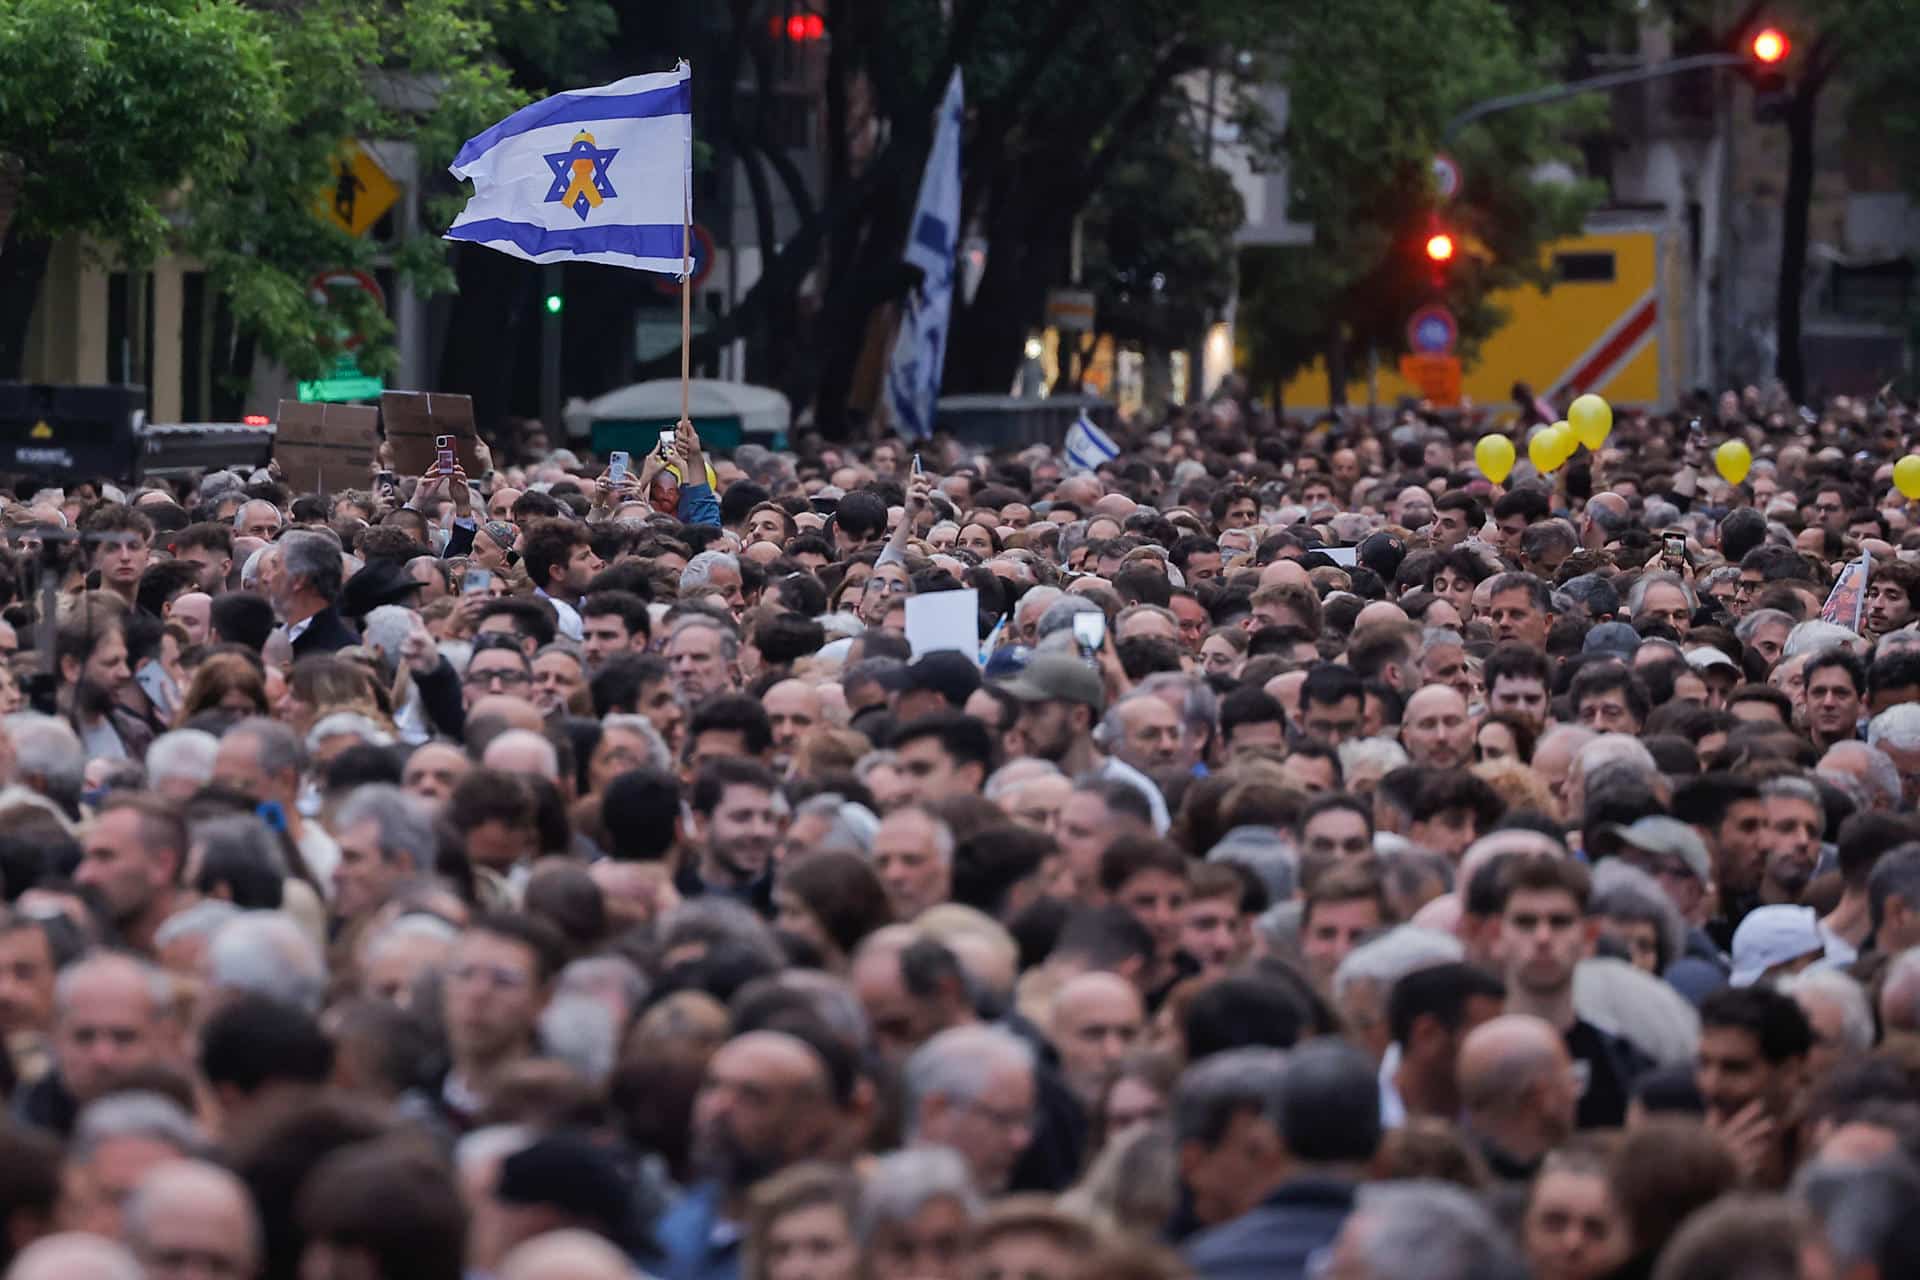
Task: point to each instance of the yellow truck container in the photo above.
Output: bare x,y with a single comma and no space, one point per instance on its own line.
1614,322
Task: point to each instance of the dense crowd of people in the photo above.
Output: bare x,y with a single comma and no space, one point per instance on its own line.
1318,861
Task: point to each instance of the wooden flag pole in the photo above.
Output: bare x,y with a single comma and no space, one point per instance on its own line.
686,290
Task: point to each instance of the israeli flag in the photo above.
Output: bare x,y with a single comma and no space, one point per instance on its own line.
920,349
1087,446
590,175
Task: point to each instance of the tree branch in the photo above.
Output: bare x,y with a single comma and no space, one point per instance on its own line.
1178,60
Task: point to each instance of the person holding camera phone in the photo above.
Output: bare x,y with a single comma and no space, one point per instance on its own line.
453,485
672,479
890,580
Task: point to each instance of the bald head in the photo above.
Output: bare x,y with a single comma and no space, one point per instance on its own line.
191,1207
1097,989
1284,571
566,1255
1094,1021
1436,697
1505,1057
1435,729
517,713
523,751
75,1255
1377,612
793,708
1083,491
772,1057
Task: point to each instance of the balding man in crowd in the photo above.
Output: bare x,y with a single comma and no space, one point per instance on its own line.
112,1019
767,1100
1097,1018
972,1089
191,1214
1518,1092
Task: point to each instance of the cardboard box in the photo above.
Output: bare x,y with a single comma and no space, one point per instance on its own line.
325,448
413,418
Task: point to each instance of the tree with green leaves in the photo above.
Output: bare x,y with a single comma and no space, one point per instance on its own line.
1062,95
214,128
106,108
416,71
1862,46
1370,90
1158,238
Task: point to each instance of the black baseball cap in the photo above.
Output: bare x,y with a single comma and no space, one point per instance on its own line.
1382,553
948,672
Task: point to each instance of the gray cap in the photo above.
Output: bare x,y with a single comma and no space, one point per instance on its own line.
1669,837
1612,637
1059,677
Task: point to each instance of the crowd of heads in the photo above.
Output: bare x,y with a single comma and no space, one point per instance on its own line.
1277,852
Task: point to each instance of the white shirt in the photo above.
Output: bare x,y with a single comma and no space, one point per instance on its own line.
567,618
1118,770
1393,1112
320,853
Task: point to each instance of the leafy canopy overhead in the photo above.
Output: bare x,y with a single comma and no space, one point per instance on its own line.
1370,91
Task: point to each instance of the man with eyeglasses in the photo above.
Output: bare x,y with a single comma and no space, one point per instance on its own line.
498,665
1829,508
497,981
1677,858
971,1088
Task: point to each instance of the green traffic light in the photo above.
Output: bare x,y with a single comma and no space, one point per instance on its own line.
553,304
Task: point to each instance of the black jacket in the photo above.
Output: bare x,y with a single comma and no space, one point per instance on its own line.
442,699
326,633
460,539
46,1104
1276,1239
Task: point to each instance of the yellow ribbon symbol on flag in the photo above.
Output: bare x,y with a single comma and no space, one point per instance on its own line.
581,185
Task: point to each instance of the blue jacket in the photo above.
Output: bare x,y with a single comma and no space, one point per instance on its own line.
1276,1238
695,1241
698,505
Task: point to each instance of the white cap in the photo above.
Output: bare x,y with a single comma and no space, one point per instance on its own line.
1773,935
1708,656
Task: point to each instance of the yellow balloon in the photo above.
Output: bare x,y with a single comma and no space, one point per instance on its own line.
1565,442
1544,450
1733,460
1906,476
1494,453
1591,419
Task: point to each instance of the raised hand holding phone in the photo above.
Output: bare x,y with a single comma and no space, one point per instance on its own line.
692,458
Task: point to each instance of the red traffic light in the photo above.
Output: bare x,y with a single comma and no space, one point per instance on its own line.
800,28
1440,247
1770,46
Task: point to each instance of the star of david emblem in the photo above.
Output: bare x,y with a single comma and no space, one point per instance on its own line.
580,175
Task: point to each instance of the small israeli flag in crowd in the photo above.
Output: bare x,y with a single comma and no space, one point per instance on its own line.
589,175
920,349
1087,446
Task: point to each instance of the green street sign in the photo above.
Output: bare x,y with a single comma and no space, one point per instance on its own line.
343,382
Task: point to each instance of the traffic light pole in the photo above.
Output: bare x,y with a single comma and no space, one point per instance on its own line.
1593,84
550,335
